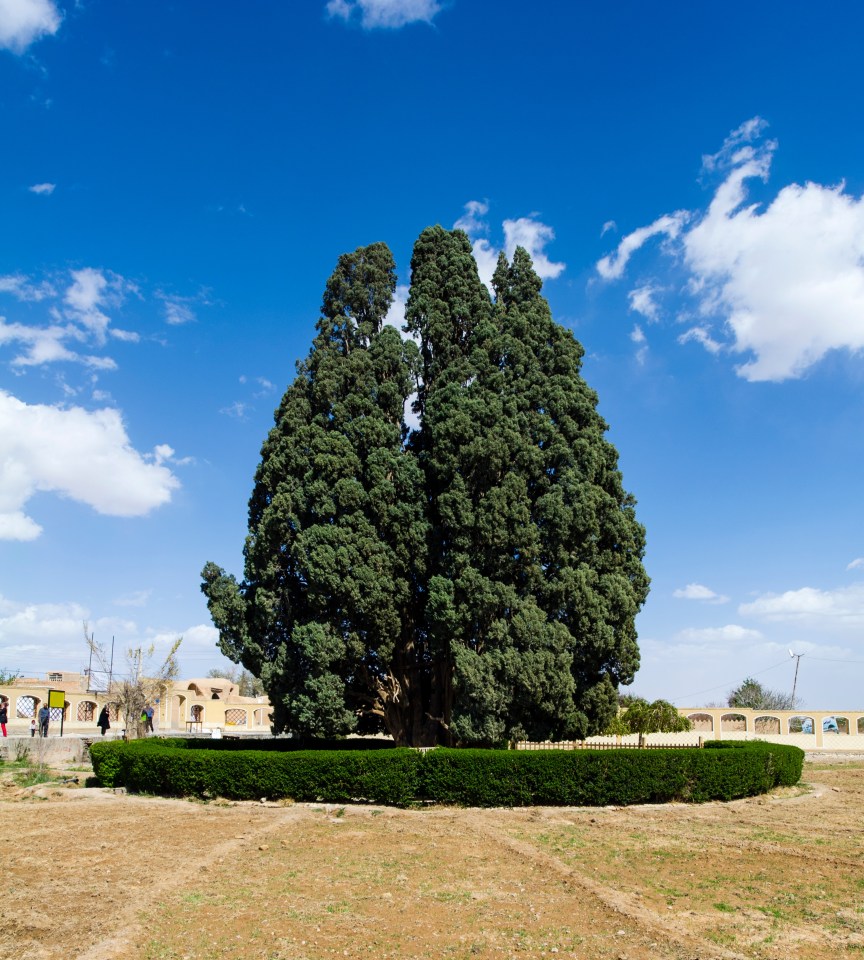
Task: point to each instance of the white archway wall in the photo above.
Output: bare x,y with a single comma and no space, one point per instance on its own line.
717,723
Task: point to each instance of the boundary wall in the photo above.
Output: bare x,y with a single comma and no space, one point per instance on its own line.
841,730
212,706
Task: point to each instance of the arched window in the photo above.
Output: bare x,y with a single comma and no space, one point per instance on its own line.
801,725
835,725
25,707
235,717
701,722
730,722
86,711
766,725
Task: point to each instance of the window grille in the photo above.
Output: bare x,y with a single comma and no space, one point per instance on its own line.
25,707
86,710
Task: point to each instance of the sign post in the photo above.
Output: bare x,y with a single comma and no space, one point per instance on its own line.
57,700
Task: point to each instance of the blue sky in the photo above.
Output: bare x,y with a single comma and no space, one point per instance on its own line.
177,181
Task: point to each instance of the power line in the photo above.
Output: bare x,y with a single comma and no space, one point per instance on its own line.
722,686
830,660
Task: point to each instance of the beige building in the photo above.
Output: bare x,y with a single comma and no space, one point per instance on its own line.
199,705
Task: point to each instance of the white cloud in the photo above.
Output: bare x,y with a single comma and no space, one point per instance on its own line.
40,622
178,310
78,314
698,591
85,456
533,236
237,410
473,221
486,257
526,232
43,189
855,564
613,266
195,638
783,284
137,598
24,21
384,14
84,297
730,634
37,637
642,300
396,314
701,335
810,607
737,141
637,336
14,525
126,336
45,343
23,289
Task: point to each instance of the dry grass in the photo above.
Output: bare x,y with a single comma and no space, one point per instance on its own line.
151,879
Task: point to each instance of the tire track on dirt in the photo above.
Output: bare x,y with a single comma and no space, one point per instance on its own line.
666,930
133,919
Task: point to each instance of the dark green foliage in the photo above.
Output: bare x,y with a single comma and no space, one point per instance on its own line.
788,761
473,581
602,777
477,778
337,534
334,776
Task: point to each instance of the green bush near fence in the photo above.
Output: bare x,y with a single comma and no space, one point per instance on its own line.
473,778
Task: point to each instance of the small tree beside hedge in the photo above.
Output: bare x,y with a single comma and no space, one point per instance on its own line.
475,778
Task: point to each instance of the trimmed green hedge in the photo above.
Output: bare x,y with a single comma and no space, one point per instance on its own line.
176,768
475,778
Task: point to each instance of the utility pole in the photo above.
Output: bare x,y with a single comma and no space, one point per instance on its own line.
797,657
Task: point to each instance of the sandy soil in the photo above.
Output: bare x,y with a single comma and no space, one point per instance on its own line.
92,873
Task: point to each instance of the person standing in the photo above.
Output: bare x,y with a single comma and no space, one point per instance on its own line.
33,726
4,714
148,718
104,721
44,717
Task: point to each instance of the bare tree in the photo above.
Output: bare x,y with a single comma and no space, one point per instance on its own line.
144,681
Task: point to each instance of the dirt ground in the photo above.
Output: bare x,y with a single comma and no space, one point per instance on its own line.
88,872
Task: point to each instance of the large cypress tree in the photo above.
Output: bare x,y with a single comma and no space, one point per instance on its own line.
471,581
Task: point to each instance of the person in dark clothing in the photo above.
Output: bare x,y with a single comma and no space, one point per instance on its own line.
44,717
4,714
104,721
